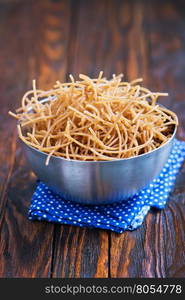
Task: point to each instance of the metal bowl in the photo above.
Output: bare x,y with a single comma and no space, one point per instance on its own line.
99,182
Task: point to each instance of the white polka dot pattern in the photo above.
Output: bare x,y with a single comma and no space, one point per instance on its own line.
118,217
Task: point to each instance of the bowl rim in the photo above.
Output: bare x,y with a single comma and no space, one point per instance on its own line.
103,161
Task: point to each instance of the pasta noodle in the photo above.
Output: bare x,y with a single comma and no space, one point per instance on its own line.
94,119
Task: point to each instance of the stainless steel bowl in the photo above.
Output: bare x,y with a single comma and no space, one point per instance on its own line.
98,182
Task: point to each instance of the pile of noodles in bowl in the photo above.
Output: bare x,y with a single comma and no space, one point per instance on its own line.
94,119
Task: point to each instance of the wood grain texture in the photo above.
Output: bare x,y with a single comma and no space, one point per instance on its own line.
26,247
8,90
80,252
157,248
48,40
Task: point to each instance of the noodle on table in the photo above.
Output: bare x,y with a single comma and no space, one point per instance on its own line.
94,119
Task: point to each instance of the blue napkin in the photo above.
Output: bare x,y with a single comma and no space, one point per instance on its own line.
118,217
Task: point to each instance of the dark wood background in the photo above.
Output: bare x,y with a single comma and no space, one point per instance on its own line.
47,40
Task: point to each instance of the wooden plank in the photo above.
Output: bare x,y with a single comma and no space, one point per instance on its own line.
104,34
100,39
8,83
136,65
167,70
156,249
82,252
38,31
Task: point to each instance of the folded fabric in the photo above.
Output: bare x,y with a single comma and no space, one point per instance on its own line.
118,217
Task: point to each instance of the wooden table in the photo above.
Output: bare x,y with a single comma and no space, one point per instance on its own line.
48,40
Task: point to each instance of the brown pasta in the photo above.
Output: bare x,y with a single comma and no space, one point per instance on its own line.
94,119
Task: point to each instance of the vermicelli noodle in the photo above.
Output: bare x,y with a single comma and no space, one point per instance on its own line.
94,119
